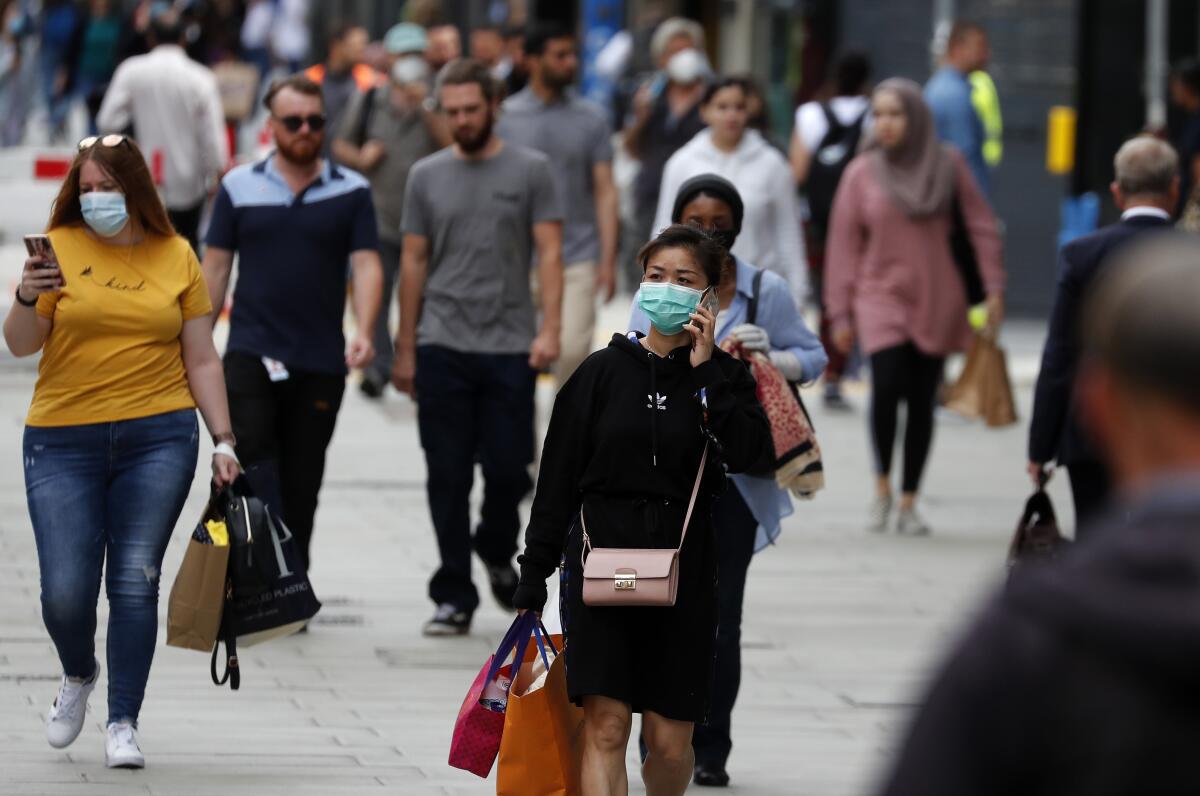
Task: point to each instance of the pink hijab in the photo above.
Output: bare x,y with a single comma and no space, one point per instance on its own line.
919,173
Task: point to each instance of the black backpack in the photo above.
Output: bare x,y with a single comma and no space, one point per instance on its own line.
837,149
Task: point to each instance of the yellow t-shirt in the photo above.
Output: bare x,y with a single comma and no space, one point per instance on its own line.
114,352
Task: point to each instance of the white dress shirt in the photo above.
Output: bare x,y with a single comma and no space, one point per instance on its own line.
1145,210
175,109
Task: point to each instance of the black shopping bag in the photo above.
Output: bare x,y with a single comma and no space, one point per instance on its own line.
268,594
1037,537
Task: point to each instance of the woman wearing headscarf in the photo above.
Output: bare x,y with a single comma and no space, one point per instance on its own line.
748,515
893,283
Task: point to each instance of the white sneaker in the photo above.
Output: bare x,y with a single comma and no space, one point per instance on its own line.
65,719
121,747
910,523
881,509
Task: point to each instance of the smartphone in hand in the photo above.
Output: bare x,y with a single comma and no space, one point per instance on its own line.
40,246
710,301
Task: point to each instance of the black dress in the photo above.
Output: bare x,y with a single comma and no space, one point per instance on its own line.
624,446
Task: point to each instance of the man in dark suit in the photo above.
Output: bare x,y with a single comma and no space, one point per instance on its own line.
1146,189
1080,677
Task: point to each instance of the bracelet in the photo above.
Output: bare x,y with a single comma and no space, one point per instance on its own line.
225,449
23,302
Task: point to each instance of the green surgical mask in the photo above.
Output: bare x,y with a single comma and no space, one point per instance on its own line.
669,307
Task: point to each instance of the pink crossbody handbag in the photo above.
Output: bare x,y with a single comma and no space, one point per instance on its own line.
635,576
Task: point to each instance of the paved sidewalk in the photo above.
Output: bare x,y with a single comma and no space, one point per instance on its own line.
841,628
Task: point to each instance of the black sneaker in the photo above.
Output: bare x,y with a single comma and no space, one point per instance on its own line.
710,776
372,386
448,621
504,580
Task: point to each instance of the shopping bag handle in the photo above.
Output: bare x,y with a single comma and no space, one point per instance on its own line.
517,638
542,637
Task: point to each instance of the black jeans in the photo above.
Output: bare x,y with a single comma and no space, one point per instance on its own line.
474,408
283,429
187,224
736,530
902,373
380,368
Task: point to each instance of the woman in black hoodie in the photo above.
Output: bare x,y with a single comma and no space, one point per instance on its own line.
624,447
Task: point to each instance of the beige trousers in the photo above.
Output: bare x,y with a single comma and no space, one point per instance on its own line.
578,316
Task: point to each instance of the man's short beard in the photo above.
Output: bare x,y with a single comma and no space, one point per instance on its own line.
473,145
289,154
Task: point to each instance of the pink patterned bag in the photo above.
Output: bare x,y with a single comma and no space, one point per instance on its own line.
480,722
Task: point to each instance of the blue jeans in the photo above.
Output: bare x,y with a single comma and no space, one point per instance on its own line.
107,491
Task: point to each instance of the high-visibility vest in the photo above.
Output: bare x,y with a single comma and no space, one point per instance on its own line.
364,76
987,105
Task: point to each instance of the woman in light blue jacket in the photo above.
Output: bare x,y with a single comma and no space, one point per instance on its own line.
747,517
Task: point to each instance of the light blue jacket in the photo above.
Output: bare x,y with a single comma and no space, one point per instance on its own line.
948,94
780,317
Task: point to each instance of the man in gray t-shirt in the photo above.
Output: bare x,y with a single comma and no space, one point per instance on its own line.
469,348
574,134
385,131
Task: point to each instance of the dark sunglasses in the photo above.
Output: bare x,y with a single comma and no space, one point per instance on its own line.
107,140
315,122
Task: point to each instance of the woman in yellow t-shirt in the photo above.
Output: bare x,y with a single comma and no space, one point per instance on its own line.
111,439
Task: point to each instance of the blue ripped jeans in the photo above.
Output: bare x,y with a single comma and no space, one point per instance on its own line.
107,491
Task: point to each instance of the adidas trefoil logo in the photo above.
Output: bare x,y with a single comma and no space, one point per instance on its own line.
660,404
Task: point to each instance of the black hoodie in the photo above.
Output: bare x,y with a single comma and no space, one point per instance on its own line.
628,428
1083,677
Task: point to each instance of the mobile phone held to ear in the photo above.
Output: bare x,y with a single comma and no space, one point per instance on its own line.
710,301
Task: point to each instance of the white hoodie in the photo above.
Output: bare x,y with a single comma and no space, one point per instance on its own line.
771,235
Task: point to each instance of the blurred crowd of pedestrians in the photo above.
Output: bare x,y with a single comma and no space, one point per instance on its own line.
479,196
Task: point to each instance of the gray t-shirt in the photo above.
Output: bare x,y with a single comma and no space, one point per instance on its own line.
479,217
574,134
406,139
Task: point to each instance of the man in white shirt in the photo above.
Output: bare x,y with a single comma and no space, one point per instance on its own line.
826,138
175,110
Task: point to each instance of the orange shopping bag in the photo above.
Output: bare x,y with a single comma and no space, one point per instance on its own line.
541,746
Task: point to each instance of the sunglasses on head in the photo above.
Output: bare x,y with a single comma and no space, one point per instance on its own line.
315,122
103,140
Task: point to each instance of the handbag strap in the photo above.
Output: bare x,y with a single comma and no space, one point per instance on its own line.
687,520
233,674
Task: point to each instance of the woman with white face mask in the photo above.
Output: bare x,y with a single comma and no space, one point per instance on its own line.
120,313
771,235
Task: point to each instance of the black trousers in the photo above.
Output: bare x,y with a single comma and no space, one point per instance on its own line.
380,368
283,429
903,373
736,530
474,408
187,224
1091,487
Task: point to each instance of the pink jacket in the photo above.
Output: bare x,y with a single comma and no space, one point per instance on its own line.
893,277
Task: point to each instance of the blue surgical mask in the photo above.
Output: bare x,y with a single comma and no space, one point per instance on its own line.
104,212
669,307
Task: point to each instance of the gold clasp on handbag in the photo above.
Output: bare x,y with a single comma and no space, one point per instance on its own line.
625,580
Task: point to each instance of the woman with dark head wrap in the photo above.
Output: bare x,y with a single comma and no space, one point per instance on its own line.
892,282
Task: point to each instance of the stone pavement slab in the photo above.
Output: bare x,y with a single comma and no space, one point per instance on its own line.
841,629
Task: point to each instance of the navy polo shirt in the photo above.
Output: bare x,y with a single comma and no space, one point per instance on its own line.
292,253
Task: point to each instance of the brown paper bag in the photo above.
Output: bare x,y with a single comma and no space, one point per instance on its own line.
197,597
237,83
983,389
541,748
